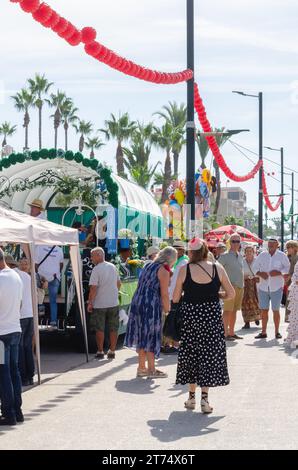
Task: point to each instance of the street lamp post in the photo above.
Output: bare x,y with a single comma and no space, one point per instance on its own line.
260,218
282,205
190,125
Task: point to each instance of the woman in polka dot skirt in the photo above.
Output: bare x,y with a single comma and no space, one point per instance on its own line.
202,357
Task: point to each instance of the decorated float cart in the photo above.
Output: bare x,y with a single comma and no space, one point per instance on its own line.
108,211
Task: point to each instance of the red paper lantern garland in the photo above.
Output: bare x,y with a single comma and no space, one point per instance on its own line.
49,18
200,109
266,196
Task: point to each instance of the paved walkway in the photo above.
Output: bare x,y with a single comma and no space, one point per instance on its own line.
101,405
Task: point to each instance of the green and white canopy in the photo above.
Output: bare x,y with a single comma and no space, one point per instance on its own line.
136,207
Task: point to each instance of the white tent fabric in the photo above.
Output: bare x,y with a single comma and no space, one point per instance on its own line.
29,231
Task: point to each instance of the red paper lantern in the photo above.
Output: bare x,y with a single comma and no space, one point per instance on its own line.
43,14
88,35
93,48
70,30
30,6
60,26
75,39
54,20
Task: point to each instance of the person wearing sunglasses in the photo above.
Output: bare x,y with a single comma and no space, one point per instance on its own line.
232,261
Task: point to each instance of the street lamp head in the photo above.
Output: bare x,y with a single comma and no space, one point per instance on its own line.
239,92
273,149
235,131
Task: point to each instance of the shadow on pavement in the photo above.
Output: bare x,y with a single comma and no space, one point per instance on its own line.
263,343
182,424
139,386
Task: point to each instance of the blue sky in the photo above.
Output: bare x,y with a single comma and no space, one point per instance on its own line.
249,45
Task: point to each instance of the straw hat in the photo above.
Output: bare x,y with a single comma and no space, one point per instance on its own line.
37,203
179,244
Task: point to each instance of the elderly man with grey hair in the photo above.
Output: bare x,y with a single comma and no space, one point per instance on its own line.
11,291
103,303
232,261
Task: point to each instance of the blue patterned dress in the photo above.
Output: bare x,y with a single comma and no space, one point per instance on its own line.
145,318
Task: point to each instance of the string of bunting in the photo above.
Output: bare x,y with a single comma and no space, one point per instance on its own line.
49,18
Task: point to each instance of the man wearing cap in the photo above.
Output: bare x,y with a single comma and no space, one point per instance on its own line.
37,210
232,261
270,266
220,250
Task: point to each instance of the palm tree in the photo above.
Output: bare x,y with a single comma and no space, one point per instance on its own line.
84,128
203,148
94,143
23,101
58,101
163,138
177,116
137,161
7,130
39,87
68,114
121,130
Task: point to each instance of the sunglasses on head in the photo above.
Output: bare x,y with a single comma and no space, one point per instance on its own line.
235,241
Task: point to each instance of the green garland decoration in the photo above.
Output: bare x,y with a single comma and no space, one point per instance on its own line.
45,154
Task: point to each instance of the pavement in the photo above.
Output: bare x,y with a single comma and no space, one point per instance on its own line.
101,405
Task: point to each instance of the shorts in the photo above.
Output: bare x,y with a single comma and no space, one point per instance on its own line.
235,304
266,296
100,317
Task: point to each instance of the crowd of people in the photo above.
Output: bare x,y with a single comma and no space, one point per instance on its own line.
206,289
209,291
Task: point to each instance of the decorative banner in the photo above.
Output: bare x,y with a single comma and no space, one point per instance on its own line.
201,111
47,17
266,196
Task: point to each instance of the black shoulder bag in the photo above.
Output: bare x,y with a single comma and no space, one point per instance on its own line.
173,322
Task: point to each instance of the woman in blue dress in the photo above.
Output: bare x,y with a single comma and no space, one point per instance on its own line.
144,329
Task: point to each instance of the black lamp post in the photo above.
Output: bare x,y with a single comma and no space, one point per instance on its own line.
190,125
260,218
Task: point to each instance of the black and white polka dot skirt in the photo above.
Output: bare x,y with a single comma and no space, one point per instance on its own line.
202,358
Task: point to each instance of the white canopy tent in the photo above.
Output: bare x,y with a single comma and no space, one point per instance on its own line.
28,231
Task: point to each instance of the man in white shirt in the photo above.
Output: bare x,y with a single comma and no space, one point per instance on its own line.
26,358
11,291
49,264
270,266
103,303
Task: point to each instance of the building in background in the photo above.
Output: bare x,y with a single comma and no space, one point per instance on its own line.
232,203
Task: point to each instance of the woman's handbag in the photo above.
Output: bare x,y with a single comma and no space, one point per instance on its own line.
172,325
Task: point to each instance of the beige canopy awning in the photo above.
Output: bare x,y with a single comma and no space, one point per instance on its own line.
23,229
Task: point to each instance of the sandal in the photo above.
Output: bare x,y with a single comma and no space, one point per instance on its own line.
205,407
157,374
142,373
190,404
